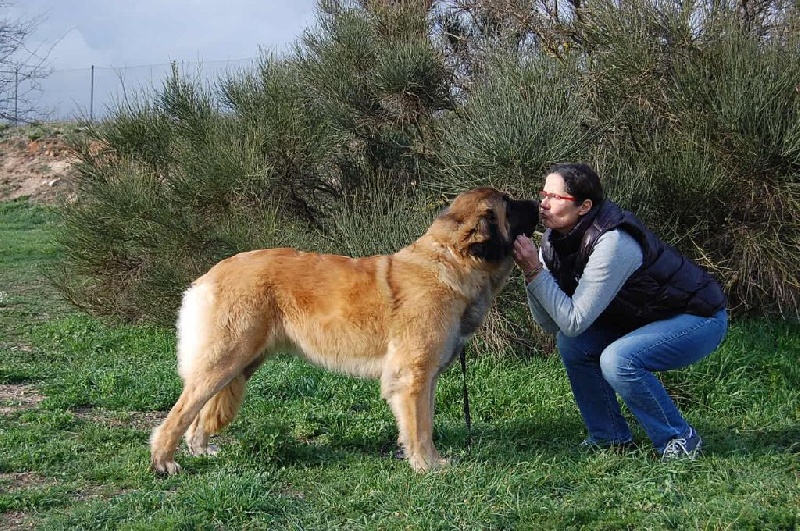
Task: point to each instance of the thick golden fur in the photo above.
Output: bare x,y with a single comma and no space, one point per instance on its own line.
401,318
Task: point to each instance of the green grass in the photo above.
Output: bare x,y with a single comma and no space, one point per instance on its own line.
311,450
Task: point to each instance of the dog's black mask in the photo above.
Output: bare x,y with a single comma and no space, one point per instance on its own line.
522,214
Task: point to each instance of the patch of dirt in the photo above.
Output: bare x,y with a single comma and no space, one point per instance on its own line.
15,520
16,481
138,420
40,169
11,482
16,397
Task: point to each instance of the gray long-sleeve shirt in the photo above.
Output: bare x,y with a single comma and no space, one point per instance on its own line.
615,257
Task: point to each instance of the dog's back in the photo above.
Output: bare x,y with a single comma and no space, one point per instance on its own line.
322,307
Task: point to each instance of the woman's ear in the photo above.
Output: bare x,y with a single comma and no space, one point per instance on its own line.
585,207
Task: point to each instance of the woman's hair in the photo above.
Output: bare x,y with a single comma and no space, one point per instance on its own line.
580,181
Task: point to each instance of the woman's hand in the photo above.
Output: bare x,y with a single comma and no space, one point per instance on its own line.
526,255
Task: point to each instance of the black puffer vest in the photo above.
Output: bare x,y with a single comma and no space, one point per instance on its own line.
666,284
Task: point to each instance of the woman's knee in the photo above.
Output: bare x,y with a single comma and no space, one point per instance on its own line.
616,365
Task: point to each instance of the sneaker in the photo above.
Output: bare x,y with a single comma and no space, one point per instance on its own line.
687,447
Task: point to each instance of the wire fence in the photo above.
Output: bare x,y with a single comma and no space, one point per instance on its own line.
89,93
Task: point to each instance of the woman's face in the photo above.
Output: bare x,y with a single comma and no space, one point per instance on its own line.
559,213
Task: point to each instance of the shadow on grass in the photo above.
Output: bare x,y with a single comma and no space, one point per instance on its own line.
724,440
509,441
273,443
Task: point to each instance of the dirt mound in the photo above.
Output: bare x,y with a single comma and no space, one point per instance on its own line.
39,169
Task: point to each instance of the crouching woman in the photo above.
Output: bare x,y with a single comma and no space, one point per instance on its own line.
624,305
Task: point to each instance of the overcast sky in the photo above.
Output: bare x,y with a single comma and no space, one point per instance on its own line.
132,33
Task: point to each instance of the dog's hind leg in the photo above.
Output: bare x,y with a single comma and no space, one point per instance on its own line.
220,373
219,411
196,392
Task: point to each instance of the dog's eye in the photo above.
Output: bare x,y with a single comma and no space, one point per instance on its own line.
490,216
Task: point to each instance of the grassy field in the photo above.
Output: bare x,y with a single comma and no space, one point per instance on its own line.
313,450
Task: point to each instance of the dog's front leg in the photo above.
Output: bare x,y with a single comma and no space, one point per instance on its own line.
432,408
410,397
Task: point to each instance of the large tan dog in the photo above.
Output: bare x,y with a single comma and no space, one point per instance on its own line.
401,318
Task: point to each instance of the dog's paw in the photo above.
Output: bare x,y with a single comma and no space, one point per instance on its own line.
419,464
207,449
165,467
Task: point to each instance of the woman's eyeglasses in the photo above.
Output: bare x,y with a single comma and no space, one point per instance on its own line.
547,195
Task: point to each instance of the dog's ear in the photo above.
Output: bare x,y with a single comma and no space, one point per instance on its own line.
487,242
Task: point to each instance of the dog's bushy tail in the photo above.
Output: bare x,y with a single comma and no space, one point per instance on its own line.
195,328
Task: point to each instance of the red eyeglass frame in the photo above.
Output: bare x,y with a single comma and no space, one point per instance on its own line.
547,195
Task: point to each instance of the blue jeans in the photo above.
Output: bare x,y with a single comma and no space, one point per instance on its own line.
601,362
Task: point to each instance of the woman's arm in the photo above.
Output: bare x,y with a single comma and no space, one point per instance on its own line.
538,311
615,257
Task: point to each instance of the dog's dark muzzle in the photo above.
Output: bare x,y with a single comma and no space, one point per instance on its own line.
523,215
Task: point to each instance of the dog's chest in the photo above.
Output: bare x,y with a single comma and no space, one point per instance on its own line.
473,315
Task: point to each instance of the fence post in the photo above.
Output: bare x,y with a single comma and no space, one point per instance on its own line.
91,98
16,96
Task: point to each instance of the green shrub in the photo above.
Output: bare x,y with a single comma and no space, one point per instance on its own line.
373,74
374,220
521,116
170,186
701,137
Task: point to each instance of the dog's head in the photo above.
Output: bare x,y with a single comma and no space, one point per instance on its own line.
485,222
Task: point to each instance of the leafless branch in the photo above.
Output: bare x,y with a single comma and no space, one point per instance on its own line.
22,68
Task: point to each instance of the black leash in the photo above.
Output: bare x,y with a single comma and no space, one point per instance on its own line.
467,417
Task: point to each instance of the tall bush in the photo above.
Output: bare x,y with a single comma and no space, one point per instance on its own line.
700,137
520,116
171,184
376,78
